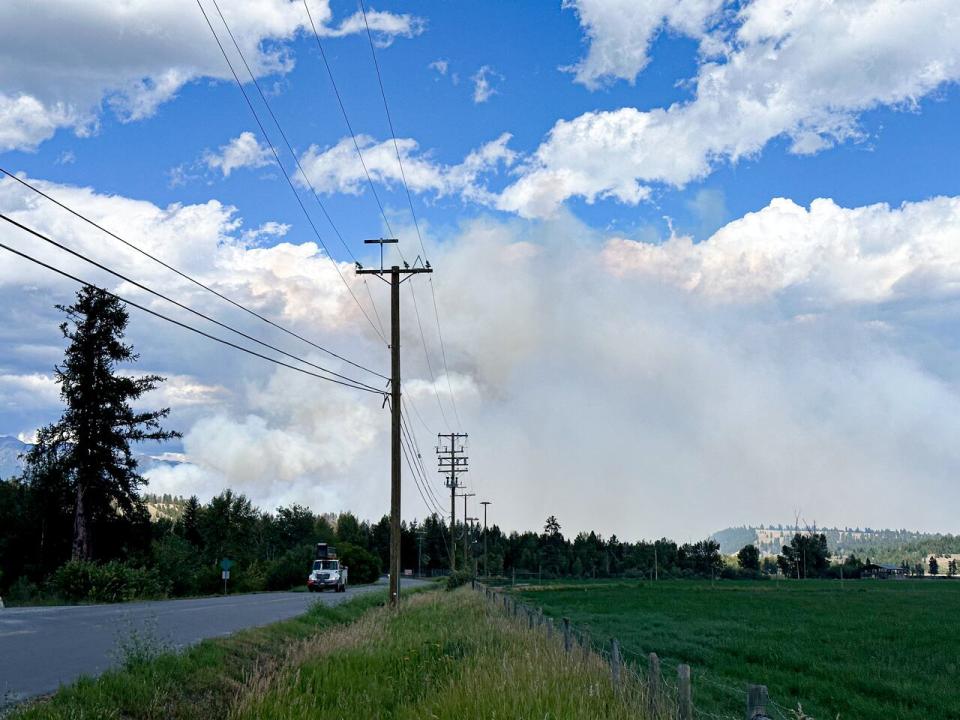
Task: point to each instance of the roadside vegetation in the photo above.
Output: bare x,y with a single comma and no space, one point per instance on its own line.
865,649
196,684
445,655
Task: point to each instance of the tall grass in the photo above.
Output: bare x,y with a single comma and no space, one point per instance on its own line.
446,655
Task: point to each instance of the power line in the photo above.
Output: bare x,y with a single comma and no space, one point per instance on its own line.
179,304
413,212
283,170
184,275
183,325
383,214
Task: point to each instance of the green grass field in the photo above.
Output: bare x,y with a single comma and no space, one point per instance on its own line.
861,650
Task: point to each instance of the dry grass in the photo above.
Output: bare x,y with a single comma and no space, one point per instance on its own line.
446,655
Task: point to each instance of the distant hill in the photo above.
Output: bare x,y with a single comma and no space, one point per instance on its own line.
11,465
891,546
10,450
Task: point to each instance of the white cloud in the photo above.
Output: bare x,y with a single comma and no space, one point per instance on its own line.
61,61
440,66
821,257
242,151
268,230
800,69
797,358
620,32
338,169
483,88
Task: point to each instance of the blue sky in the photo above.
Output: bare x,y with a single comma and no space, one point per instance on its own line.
635,154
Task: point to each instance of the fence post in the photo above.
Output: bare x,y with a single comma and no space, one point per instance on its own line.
685,699
567,640
549,628
653,683
615,663
757,700
530,618
585,645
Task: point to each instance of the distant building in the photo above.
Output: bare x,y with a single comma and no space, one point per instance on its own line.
883,572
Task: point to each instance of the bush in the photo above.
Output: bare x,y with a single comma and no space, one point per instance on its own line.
290,569
79,580
362,565
458,578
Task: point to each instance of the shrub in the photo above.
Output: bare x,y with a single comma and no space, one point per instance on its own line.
363,566
80,580
290,569
458,578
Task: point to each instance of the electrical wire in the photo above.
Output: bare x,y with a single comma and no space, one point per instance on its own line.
186,276
179,304
383,214
185,326
413,212
286,175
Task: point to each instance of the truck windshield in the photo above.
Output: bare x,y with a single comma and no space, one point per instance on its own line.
325,565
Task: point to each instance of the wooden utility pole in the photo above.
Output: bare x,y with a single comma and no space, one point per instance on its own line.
466,532
397,275
452,461
486,567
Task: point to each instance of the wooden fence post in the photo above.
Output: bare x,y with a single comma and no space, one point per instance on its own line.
585,645
615,663
757,700
549,628
530,618
567,640
685,695
653,683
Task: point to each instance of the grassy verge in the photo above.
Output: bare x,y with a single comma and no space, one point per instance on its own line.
862,649
198,683
447,655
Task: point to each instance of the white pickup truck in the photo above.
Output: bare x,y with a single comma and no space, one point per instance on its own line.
327,571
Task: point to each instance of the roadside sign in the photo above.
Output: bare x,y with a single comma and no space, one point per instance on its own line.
225,575
226,564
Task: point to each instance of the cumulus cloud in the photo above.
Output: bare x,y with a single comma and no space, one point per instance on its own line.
243,151
802,70
822,257
619,33
797,358
62,61
338,169
483,80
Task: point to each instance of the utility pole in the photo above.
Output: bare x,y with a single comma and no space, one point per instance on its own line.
419,553
397,275
466,533
486,567
452,461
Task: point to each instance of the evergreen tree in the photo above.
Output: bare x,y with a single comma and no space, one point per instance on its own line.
934,566
90,445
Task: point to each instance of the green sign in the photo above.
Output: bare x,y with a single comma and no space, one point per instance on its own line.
226,564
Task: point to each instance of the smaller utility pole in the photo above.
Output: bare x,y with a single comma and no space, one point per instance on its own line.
452,460
486,567
466,532
419,553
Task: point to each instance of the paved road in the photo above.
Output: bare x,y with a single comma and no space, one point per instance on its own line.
44,647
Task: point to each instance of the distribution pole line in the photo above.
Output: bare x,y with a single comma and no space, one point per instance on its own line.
177,303
452,462
396,275
486,567
183,325
184,275
286,175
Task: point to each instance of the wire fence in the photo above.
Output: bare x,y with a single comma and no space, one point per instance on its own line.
668,684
